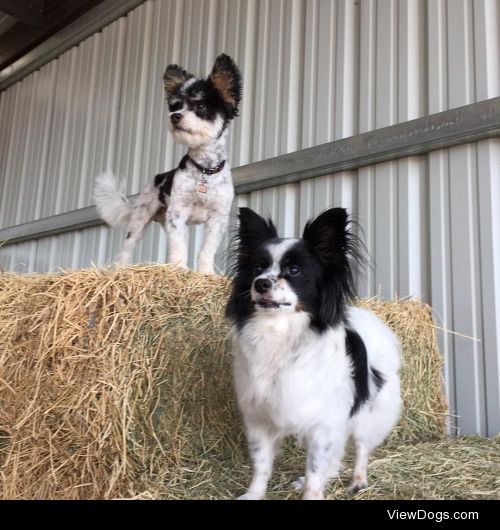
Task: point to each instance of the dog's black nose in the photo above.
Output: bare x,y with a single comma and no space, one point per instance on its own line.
262,285
176,118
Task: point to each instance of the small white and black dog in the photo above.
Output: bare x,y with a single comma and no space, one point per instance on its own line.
201,189
306,363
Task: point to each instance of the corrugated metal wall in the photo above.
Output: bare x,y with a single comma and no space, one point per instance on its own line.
314,71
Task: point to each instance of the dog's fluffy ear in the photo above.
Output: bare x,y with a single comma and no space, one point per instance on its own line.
328,235
254,229
226,78
174,77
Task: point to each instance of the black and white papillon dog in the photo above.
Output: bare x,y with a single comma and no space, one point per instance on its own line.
305,362
200,189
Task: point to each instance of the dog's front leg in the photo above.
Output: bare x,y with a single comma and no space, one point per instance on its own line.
214,230
263,446
324,455
177,234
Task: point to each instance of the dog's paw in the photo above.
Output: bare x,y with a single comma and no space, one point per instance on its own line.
313,495
298,484
249,496
356,486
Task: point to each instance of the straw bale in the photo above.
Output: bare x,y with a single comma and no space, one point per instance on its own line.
116,383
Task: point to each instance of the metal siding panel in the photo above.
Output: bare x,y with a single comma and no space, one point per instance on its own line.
386,230
288,200
347,70
489,222
487,48
310,51
325,79
38,169
26,152
441,268
15,152
20,256
7,100
289,136
437,45
365,215
460,53
411,60
387,60
129,126
412,247
241,144
273,80
367,65
56,144
469,370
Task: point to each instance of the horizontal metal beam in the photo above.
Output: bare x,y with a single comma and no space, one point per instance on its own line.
461,125
471,123
27,11
89,23
50,226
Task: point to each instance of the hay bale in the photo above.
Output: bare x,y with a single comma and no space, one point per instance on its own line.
117,383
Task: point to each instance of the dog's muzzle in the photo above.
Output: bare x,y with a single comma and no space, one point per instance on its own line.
264,289
176,118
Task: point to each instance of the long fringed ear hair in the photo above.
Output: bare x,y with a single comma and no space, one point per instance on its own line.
252,232
226,78
174,77
329,237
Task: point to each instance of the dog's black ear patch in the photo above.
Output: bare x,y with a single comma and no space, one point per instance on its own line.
226,78
328,235
330,238
254,230
174,77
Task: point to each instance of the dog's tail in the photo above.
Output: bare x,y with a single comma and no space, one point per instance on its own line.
111,201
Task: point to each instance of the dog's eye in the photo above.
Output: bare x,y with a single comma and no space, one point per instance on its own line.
260,268
201,106
175,106
293,270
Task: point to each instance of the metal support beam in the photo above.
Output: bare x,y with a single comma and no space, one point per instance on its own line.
27,11
89,23
461,125
470,123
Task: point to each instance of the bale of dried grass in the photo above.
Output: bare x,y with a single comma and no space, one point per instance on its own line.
116,383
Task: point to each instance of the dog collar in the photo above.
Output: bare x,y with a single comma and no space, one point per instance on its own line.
207,170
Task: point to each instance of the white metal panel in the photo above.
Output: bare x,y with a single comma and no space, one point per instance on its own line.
489,222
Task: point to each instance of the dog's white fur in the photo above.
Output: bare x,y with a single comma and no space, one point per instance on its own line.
291,380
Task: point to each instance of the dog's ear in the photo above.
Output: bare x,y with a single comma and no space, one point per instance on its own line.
253,231
174,77
226,78
328,235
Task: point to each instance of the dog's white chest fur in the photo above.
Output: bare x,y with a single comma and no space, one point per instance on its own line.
287,374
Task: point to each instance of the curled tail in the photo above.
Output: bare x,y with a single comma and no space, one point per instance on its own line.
111,201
